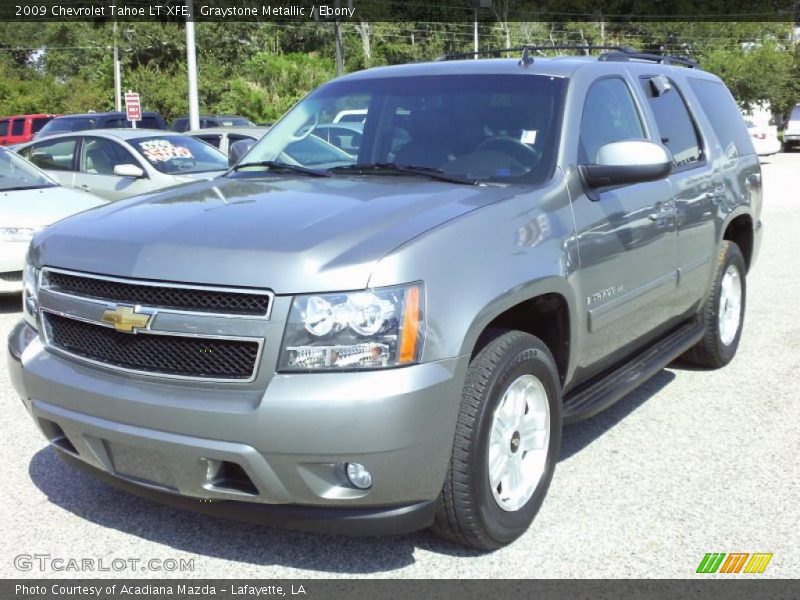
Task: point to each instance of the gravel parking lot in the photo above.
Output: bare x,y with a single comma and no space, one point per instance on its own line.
693,462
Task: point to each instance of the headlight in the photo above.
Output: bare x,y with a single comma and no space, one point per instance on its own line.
30,294
356,330
16,234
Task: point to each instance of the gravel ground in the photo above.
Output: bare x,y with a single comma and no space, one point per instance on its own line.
693,462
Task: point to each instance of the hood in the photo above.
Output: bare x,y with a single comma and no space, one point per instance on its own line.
202,176
292,235
41,207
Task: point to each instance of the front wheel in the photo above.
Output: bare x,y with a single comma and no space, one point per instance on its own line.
506,444
723,313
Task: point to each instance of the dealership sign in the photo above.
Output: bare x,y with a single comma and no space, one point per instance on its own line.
133,109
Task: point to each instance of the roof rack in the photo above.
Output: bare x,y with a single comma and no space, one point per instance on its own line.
611,54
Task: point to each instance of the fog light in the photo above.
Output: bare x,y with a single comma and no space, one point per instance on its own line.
358,476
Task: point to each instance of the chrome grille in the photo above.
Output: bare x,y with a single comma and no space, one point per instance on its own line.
186,298
162,353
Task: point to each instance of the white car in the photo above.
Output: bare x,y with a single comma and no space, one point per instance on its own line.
29,201
791,133
765,138
119,163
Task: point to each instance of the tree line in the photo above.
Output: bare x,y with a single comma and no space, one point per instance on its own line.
260,69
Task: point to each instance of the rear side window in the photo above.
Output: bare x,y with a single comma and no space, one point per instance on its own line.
795,113
609,115
724,115
55,155
3,128
18,127
675,125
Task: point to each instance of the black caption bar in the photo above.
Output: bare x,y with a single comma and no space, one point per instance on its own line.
400,10
330,589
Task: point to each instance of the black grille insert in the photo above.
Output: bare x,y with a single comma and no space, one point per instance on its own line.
159,354
177,298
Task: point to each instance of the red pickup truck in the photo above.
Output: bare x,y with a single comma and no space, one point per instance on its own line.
21,128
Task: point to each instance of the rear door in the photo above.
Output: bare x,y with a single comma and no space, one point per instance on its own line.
626,236
693,187
56,156
98,157
17,131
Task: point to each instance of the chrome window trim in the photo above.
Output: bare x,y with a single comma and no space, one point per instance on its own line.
45,326
44,285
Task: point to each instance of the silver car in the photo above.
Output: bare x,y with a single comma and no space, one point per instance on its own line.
119,163
29,201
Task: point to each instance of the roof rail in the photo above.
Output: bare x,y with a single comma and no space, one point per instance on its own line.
611,53
664,59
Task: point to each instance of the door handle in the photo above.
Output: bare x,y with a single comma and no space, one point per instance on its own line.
84,186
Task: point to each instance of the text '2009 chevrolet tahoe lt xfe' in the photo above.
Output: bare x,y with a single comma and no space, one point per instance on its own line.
384,329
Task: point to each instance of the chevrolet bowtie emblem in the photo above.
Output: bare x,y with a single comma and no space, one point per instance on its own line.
125,318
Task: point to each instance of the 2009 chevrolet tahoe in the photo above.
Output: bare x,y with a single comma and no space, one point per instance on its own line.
386,332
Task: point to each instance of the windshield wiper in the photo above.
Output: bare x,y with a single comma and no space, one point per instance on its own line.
28,187
394,169
280,166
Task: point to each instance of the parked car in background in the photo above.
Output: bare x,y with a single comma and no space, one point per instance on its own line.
29,200
344,135
765,138
222,137
182,124
353,115
105,120
118,163
21,128
791,133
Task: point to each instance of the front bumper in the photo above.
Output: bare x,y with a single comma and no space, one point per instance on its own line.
273,456
12,262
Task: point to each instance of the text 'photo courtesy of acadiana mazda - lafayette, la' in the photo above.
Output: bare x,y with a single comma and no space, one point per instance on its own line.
390,338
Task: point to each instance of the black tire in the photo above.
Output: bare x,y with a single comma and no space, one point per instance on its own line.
711,352
467,511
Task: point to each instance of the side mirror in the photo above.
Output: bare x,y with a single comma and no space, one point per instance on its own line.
630,161
128,170
238,149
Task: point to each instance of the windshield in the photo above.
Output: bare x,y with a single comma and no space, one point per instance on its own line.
180,154
65,125
500,128
16,173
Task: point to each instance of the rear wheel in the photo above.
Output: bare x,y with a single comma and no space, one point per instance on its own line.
506,444
723,313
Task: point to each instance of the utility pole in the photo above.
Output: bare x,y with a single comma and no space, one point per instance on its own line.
191,67
337,33
475,33
117,73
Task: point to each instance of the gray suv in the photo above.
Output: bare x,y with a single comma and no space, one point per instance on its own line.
391,337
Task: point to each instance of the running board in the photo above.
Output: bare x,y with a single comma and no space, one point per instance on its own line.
589,400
